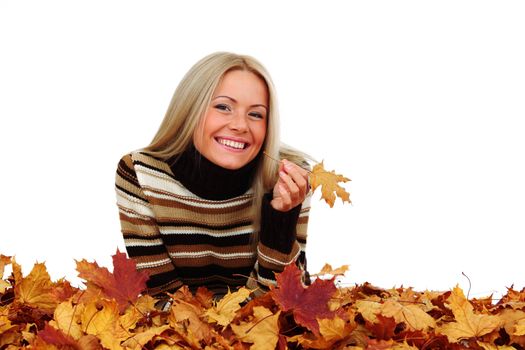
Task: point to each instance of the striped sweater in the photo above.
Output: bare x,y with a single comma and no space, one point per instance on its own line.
181,238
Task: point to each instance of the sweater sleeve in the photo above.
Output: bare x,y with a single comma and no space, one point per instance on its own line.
282,241
141,234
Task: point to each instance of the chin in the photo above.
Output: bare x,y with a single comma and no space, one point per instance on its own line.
231,164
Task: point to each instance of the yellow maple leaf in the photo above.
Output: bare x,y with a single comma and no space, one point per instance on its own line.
411,314
328,180
467,324
334,329
36,289
224,311
101,319
262,331
67,319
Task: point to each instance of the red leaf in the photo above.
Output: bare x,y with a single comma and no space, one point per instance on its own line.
124,285
307,304
383,329
54,336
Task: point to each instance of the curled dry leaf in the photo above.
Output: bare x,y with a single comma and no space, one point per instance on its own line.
224,312
262,330
328,270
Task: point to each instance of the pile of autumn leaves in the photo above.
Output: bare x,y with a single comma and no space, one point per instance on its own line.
110,313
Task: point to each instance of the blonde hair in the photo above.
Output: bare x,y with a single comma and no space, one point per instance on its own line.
188,106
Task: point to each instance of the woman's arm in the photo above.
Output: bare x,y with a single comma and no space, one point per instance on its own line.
141,234
284,220
282,241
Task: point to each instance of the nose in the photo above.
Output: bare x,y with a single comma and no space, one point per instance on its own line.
238,123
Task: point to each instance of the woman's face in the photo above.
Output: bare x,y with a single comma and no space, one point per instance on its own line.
233,129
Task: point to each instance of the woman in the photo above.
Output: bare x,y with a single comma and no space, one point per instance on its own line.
207,203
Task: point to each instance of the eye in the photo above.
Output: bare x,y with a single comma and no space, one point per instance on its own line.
256,115
222,107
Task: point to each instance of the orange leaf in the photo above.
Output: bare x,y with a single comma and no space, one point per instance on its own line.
329,184
262,330
411,314
224,311
4,260
36,289
124,285
56,337
328,270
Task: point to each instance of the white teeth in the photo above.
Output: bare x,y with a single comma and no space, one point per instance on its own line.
232,144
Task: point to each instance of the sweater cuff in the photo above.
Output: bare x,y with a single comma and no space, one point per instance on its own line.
278,229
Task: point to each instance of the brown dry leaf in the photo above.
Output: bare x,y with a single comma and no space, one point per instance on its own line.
144,305
4,285
510,318
4,260
519,327
331,331
36,289
368,309
328,180
224,311
182,311
411,314
137,341
17,271
5,324
262,331
487,346
467,324
328,270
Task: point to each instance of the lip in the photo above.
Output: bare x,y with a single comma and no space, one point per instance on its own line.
235,139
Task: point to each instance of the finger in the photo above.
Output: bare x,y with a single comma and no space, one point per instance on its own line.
290,185
286,200
298,175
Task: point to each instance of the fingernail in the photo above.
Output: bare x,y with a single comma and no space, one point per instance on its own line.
282,174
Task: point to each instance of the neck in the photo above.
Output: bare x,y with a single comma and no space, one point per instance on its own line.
209,180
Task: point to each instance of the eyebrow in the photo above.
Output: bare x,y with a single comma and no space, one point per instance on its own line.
234,100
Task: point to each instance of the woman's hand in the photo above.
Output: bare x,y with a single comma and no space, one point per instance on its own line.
291,188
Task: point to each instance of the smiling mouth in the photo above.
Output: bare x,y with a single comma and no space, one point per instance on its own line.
232,144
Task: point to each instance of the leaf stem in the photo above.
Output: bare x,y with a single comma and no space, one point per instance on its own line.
280,161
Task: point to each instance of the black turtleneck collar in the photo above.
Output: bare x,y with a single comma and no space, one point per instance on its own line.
209,180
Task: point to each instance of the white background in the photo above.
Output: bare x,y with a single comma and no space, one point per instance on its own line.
420,103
